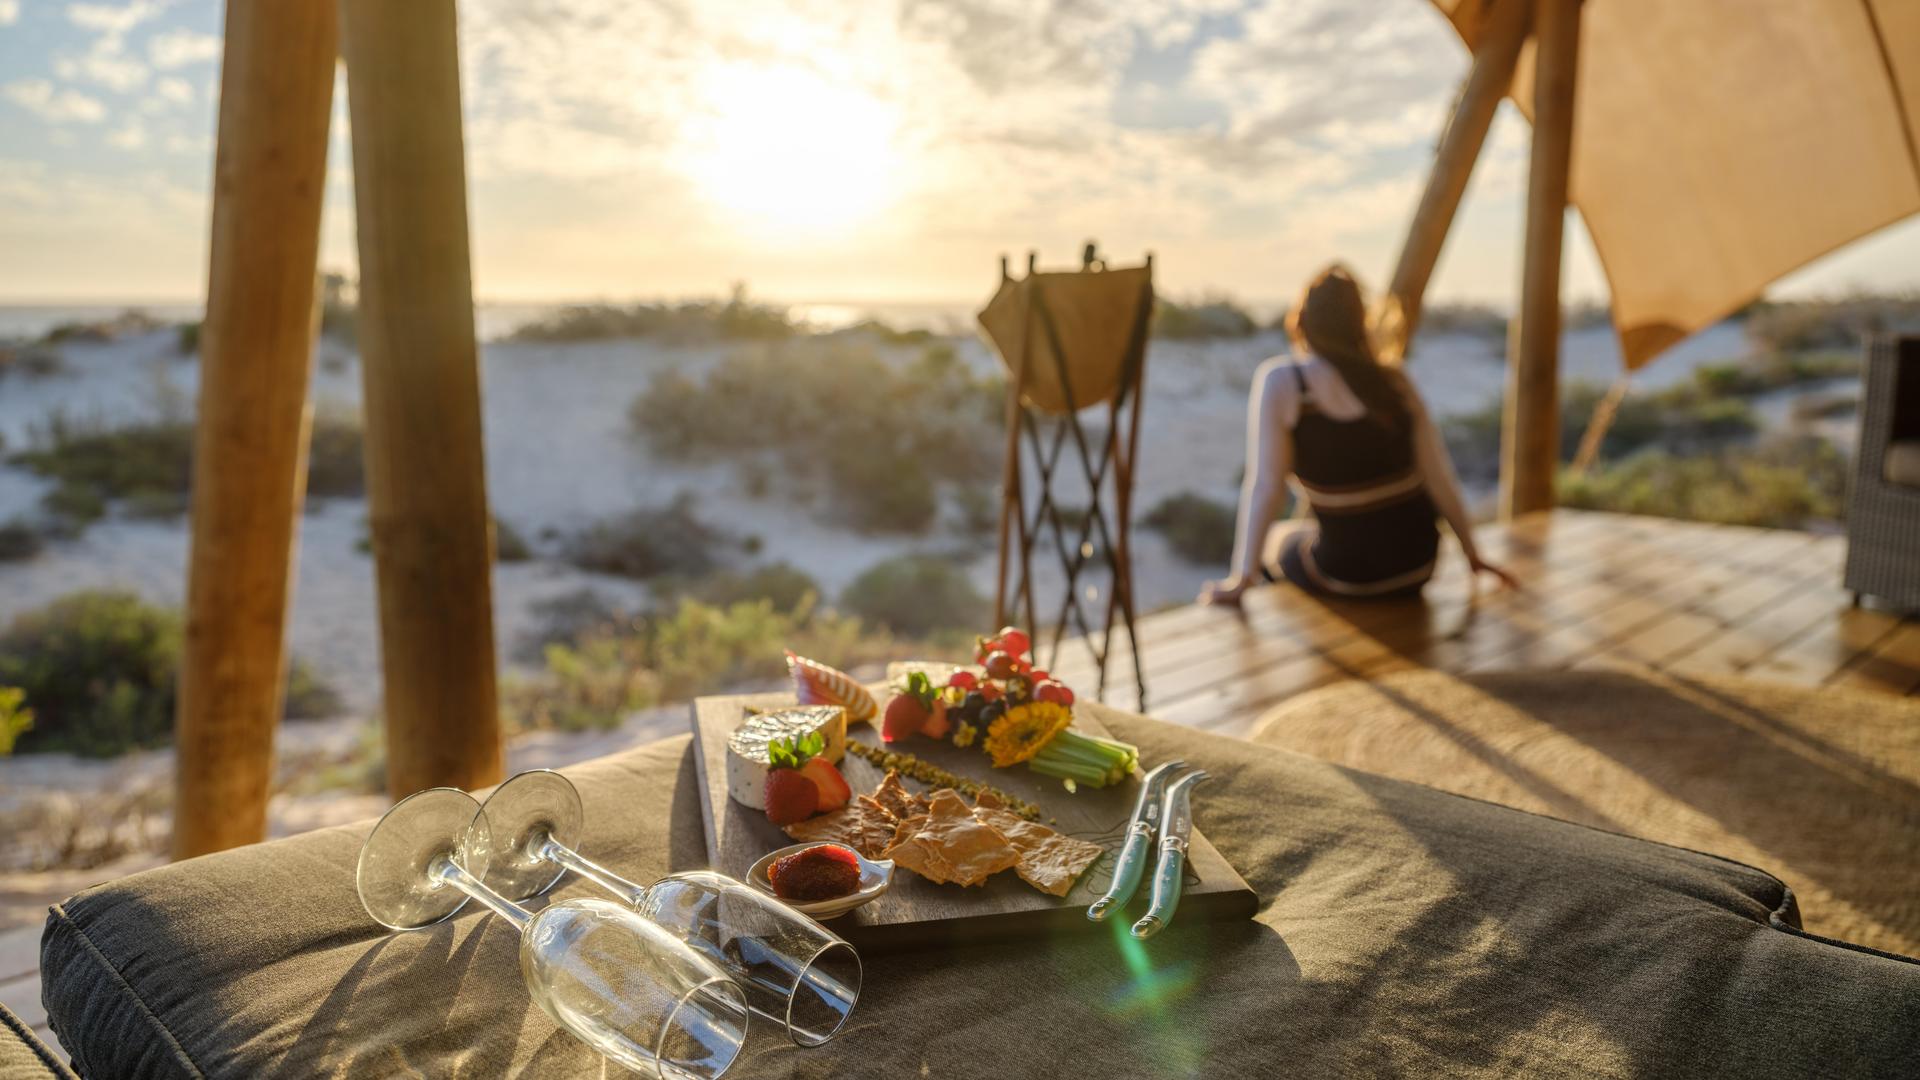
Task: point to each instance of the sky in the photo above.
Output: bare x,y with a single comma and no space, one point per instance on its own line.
817,150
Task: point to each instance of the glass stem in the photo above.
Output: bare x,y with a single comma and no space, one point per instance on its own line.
447,872
549,848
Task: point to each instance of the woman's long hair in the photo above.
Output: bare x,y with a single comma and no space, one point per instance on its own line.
1330,321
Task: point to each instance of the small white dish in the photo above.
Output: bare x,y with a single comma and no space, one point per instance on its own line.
876,876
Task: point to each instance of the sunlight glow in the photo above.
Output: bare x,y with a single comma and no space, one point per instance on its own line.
785,149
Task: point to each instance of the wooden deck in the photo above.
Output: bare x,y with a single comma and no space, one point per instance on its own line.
1600,590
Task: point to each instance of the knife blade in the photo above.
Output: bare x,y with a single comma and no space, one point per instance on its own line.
1131,863
1176,827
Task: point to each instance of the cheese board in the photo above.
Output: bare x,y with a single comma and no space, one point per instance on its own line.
915,912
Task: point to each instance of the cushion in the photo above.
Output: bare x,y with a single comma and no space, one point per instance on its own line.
1901,465
1401,931
1819,786
23,1057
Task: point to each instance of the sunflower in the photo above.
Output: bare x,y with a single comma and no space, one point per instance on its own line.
1024,729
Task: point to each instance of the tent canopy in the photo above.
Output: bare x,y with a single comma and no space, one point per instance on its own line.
1720,144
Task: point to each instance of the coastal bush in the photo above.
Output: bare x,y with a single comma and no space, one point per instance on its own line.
15,717
1477,320
879,439
98,669
20,540
916,596
1768,372
186,338
1198,320
336,455
1781,484
1802,325
33,361
309,696
339,308
649,542
685,322
1199,529
785,586
596,680
130,322
1680,420
508,544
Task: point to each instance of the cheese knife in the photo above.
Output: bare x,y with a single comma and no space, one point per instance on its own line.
1131,863
1176,826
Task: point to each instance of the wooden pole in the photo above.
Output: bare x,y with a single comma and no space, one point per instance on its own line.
1497,49
250,445
1530,439
426,484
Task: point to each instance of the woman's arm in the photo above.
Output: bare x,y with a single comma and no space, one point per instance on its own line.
1443,484
1263,491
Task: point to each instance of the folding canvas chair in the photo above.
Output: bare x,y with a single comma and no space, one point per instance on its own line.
1073,342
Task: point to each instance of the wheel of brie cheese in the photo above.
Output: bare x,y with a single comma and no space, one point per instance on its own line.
747,746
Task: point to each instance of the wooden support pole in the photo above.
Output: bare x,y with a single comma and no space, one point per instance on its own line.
426,483
1497,49
1530,436
250,444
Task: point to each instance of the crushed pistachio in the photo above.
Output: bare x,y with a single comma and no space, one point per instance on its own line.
934,776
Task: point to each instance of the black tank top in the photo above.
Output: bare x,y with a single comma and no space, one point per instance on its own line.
1377,524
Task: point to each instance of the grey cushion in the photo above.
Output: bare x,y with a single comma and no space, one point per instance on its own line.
23,1057
1402,931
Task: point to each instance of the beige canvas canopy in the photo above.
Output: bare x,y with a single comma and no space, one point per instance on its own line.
1094,316
1720,144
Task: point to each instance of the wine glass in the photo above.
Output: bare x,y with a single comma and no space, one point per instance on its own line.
622,984
795,972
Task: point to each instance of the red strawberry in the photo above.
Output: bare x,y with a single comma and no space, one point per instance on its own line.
1054,692
965,680
937,724
905,715
834,790
791,796
1015,641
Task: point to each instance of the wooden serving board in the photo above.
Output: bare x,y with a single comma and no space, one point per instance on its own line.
917,913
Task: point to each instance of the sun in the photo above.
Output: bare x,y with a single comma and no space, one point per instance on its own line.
785,149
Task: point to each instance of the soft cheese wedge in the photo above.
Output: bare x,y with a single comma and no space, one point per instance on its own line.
747,746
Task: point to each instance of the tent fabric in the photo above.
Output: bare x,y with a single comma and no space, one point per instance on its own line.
1094,313
1720,144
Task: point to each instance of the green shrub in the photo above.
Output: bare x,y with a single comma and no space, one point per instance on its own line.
785,586
34,361
1478,320
1783,484
339,308
916,595
186,339
308,695
15,718
1208,317
336,455
1802,325
20,540
657,541
1199,529
1678,419
879,438
686,322
508,544
99,668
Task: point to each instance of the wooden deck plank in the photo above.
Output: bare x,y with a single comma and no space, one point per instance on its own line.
1891,665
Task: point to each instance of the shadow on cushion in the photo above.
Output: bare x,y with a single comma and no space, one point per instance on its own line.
1821,787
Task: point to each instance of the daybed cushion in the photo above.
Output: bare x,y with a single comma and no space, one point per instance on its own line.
1402,931
1902,462
23,1057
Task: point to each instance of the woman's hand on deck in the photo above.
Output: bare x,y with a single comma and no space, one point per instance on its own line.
1500,573
1225,591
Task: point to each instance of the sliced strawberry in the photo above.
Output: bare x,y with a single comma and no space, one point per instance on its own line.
937,724
791,796
835,792
905,715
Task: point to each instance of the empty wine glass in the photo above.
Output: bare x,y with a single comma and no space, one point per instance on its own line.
622,984
795,972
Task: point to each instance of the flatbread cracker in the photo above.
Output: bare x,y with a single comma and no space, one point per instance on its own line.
1049,861
863,828
951,845
898,801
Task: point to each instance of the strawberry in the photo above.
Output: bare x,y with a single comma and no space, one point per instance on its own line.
905,715
833,788
791,796
937,724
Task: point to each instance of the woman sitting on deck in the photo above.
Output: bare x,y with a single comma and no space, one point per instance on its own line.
1356,438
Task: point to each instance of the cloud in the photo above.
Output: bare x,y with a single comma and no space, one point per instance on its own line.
178,48
132,136
174,91
9,12
109,19
105,63
39,97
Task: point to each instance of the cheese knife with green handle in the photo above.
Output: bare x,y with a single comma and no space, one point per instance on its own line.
1131,863
1176,826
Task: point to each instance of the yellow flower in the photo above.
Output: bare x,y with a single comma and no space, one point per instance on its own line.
1024,729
